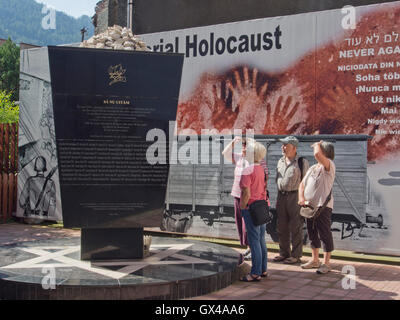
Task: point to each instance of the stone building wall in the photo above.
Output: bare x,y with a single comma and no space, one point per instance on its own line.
100,19
118,12
109,13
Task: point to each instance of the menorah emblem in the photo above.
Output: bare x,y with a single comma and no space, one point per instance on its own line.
117,74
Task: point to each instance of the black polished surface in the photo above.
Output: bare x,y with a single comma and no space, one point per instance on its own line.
174,264
111,243
105,103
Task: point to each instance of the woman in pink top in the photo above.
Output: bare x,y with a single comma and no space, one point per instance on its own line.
253,185
239,159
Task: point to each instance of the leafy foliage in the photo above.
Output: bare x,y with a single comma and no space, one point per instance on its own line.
22,21
9,68
9,111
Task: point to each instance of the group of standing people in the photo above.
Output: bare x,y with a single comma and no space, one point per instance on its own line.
298,185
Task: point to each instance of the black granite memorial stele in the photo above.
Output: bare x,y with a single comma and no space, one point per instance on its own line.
105,103
85,115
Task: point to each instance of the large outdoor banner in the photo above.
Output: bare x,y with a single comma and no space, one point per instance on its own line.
308,74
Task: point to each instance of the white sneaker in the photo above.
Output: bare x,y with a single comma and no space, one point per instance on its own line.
248,251
324,269
247,257
311,265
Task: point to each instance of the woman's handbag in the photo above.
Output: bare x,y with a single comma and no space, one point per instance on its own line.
259,213
309,212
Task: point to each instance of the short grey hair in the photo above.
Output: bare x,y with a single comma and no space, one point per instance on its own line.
328,149
255,151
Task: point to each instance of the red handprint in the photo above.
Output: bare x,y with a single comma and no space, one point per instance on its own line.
281,120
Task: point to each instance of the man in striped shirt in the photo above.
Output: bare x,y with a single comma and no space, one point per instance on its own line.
289,223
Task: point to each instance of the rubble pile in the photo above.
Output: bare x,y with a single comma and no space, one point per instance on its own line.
116,38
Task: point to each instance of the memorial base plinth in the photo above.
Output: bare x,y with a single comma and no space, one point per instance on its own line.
112,244
175,269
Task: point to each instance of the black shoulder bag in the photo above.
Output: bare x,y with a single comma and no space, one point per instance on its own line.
259,212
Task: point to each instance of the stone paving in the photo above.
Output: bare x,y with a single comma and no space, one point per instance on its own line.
16,233
290,282
285,282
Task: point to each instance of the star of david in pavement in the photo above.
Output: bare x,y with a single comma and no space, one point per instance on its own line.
160,256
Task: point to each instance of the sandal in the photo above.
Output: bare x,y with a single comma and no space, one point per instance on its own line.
240,259
279,258
264,274
253,278
291,260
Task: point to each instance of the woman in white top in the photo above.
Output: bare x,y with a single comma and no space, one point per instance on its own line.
240,162
315,188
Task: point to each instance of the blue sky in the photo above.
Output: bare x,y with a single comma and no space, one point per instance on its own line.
75,8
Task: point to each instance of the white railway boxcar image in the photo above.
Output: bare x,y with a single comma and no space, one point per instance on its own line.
198,200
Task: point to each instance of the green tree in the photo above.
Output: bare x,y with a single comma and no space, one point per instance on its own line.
9,68
9,112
